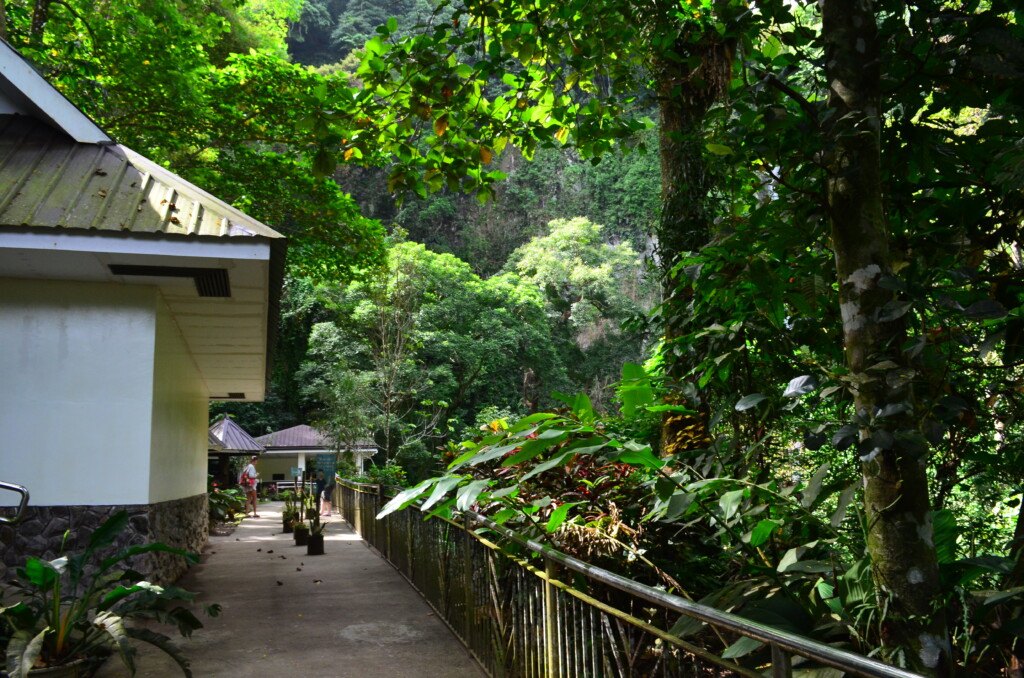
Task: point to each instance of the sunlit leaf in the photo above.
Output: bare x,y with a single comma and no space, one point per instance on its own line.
800,386
749,401
730,502
559,515
762,532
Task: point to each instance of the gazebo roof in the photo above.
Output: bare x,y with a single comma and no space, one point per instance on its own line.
233,438
214,443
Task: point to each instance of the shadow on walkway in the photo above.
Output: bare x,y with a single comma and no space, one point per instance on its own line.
345,614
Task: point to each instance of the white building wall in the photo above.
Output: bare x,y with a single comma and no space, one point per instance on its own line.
180,417
76,391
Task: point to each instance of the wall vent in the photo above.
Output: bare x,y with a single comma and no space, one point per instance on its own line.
210,282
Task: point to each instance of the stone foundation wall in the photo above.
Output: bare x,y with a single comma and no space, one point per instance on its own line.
181,524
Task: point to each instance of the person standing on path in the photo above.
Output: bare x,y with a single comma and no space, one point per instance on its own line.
248,482
327,495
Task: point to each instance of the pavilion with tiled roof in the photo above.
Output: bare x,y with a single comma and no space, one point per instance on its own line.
298,446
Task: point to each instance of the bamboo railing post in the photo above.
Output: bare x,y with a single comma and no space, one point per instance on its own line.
550,622
782,663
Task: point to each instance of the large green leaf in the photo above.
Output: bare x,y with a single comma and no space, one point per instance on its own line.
112,626
730,502
792,557
534,448
855,586
164,643
845,498
443,487
106,534
42,573
131,551
741,648
635,390
763,531
946,535
557,459
800,386
23,650
468,494
749,401
485,454
406,497
559,515
639,457
810,493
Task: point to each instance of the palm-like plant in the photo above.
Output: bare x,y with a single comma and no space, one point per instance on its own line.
74,608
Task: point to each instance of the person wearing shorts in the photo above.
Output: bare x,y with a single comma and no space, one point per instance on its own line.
247,480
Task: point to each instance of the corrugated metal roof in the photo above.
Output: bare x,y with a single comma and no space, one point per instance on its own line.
301,436
49,180
233,437
27,92
214,442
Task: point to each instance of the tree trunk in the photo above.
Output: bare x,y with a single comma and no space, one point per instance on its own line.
685,95
40,15
899,526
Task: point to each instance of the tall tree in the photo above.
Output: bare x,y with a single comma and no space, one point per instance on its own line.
210,96
896,500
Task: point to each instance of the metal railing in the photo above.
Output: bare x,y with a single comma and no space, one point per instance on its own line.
19,513
522,621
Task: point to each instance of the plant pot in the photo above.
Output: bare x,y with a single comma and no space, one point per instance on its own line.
287,527
301,538
73,670
315,545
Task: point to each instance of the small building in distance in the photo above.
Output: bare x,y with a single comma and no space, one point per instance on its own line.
301,447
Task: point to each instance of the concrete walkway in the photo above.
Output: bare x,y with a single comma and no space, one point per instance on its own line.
345,614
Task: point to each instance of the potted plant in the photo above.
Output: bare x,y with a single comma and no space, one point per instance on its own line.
290,513
315,541
288,520
301,533
73,610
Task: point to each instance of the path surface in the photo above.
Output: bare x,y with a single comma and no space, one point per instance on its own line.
345,614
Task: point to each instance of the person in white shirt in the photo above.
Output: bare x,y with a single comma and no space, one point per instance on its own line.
247,479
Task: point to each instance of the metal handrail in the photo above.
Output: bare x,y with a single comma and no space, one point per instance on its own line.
782,644
23,491
839,659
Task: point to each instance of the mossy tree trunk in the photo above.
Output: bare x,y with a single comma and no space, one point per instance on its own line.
899,526
686,95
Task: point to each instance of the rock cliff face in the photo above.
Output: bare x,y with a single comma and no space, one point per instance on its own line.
47,531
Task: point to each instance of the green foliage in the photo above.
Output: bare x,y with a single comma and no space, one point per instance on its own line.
76,606
225,504
210,95
416,350
392,475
